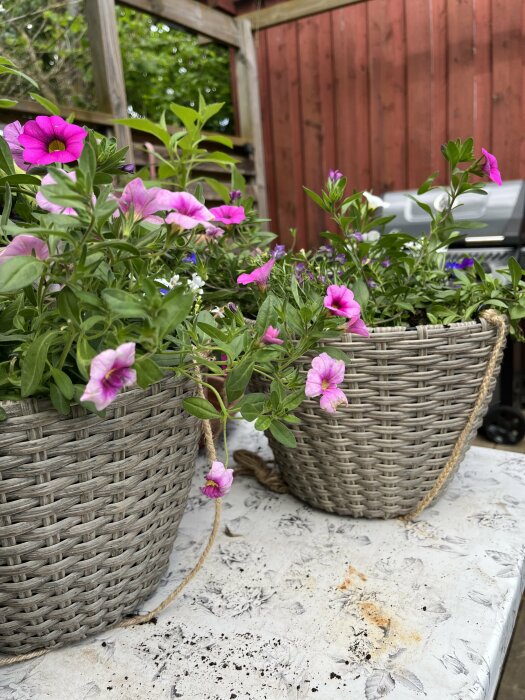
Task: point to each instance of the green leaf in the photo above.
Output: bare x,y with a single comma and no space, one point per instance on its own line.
219,138
176,306
34,363
148,372
252,406
5,104
63,382
219,187
263,423
238,379
186,115
267,313
6,159
19,272
336,353
213,332
316,198
361,292
59,401
515,272
19,179
146,126
282,434
123,304
201,408
45,103
67,304
3,414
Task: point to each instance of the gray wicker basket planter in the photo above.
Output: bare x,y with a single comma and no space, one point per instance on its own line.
410,393
89,510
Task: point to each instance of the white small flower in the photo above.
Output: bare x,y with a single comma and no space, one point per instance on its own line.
217,312
442,201
375,202
196,283
413,245
371,236
173,282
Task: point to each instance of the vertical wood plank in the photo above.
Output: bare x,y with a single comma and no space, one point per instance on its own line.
460,69
507,65
387,91
482,74
317,114
250,107
438,85
352,109
419,91
108,73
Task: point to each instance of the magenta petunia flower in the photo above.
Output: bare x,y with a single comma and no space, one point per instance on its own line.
44,203
218,481
322,380
144,203
187,212
271,336
110,371
357,325
335,175
49,140
260,275
490,167
339,300
11,133
24,245
228,214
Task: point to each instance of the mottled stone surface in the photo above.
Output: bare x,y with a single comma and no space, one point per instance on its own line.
294,603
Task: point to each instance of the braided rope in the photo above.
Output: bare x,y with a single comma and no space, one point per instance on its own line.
249,463
147,617
497,320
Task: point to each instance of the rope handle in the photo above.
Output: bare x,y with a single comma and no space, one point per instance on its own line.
147,617
495,319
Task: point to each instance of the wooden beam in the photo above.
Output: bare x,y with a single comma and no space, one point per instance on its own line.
291,10
81,115
249,105
188,13
108,73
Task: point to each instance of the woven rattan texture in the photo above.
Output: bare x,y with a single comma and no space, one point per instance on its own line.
410,393
89,510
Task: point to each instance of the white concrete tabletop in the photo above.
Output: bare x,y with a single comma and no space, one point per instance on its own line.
294,603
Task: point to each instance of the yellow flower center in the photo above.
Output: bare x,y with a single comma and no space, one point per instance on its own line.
56,145
212,483
325,384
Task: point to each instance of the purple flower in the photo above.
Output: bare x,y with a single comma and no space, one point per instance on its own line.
271,336
385,262
11,133
228,214
190,258
358,236
128,168
340,258
24,245
451,265
371,284
260,275
339,301
466,263
143,202
187,212
279,251
335,175
110,371
490,167
49,140
322,380
218,481
212,231
232,307
357,325
235,195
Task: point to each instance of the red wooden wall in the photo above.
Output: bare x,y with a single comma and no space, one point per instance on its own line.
374,89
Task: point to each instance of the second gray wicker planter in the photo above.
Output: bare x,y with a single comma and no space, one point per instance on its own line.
89,510
410,393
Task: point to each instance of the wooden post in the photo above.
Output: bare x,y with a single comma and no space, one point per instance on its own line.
249,107
108,72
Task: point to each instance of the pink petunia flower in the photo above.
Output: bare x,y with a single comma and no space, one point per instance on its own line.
271,336
260,275
339,300
218,481
212,231
145,203
49,140
357,325
322,380
11,133
44,203
110,371
490,167
187,212
24,245
228,214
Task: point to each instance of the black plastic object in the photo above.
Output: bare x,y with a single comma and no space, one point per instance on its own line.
504,425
